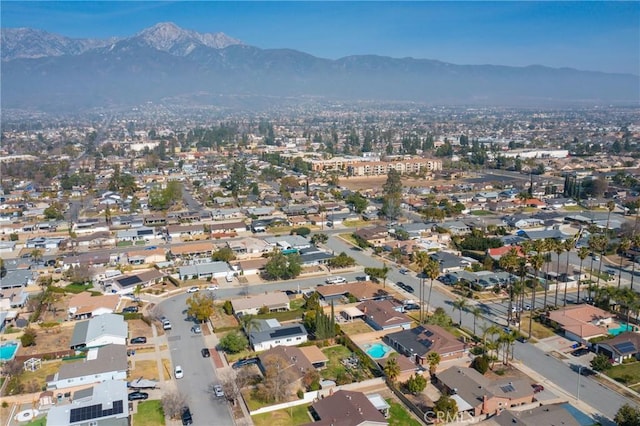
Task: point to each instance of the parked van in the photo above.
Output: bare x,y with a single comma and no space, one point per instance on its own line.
166,324
229,278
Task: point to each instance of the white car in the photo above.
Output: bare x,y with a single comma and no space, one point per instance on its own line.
218,391
336,280
212,287
192,290
178,372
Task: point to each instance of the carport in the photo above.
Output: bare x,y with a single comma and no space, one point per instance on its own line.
351,313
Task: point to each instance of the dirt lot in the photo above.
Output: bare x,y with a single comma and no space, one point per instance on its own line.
139,328
145,369
49,340
374,183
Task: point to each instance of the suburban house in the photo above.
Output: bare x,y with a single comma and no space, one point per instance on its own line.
99,331
456,228
200,249
417,342
286,358
287,242
250,266
375,236
347,408
451,262
384,315
581,322
103,404
361,290
101,364
249,247
185,231
227,229
623,346
274,302
548,414
266,334
146,257
128,284
84,305
205,270
477,394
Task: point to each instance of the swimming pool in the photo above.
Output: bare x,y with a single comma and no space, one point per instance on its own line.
8,351
623,327
377,350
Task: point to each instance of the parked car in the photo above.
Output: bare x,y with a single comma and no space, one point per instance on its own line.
411,307
196,329
403,271
212,287
217,389
135,396
335,280
187,418
537,387
586,371
138,340
244,362
205,353
580,352
130,309
178,372
193,289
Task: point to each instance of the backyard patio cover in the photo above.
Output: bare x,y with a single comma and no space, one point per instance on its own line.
352,312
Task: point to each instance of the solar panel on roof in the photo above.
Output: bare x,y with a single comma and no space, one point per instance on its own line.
507,388
129,281
95,412
283,332
625,347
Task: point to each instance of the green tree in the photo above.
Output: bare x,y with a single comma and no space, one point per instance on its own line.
600,362
281,267
357,202
341,261
627,415
445,407
583,252
416,384
460,304
225,254
28,338
54,211
234,342
303,231
433,358
319,239
237,179
480,364
200,306
391,368
392,195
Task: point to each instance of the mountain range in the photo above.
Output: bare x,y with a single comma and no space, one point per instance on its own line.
165,63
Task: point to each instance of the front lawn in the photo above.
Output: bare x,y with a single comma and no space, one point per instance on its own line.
282,316
627,374
398,416
77,288
42,421
149,414
294,416
355,327
481,213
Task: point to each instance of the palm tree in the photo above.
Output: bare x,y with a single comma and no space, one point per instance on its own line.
421,259
536,263
547,246
568,246
508,339
477,313
460,304
391,368
433,358
559,249
611,205
636,244
431,270
583,252
601,243
625,244
249,323
509,262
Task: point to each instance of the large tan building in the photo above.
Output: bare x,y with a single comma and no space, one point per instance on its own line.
359,167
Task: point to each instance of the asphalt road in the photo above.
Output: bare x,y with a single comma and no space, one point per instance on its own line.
199,372
600,398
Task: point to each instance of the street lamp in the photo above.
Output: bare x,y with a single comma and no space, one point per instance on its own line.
580,367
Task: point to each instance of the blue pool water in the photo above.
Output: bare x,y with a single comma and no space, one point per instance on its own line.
623,327
8,351
378,350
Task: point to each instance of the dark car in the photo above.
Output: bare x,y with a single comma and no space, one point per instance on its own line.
138,340
586,371
135,396
537,387
409,289
244,362
411,307
130,309
187,419
205,353
580,352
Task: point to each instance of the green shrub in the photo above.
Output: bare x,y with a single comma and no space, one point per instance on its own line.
227,307
300,393
480,364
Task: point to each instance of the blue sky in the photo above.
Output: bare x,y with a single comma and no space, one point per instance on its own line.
599,36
